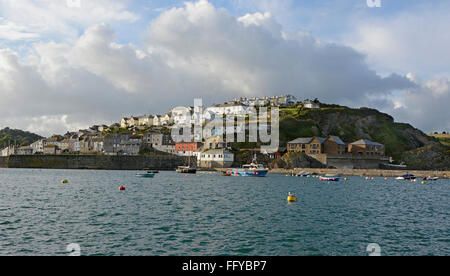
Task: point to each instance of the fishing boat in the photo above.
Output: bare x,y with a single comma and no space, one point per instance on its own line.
407,177
252,170
330,178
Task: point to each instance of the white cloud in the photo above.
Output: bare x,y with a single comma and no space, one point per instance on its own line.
39,18
416,40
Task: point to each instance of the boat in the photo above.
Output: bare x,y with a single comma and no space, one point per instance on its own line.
186,170
429,178
330,178
252,170
303,174
145,175
407,177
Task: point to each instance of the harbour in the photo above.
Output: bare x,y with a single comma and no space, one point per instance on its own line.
207,214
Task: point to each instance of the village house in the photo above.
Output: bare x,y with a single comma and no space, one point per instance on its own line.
24,151
365,147
51,149
311,105
314,145
146,120
335,146
217,158
122,144
38,146
152,139
8,151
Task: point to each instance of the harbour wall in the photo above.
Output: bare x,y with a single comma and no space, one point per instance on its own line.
94,162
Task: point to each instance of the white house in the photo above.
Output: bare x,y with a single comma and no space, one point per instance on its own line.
311,105
217,158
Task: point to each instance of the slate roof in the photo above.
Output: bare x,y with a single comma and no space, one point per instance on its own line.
366,142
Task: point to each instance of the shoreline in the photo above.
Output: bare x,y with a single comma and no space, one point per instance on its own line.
360,172
366,172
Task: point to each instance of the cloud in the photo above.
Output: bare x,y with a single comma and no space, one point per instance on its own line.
425,106
194,51
43,18
416,40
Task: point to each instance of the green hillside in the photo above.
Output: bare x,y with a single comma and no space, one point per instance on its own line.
18,137
351,125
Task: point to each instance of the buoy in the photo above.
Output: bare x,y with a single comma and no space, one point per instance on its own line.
122,188
423,182
346,179
65,181
386,178
291,199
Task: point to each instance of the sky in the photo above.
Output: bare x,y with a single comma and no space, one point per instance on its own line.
69,64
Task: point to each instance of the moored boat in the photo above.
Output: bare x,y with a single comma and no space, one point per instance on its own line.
252,170
407,177
146,175
330,178
186,170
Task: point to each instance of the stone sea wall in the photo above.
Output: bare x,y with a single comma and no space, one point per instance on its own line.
94,162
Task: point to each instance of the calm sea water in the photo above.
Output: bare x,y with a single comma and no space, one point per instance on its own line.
214,215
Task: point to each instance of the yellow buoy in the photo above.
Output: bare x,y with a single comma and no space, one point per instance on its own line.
423,182
346,179
65,181
291,199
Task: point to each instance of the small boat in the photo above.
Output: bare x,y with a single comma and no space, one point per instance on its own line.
186,170
303,174
429,178
252,170
330,178
146,175
407,177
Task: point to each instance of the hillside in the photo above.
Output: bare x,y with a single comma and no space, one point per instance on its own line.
18,137
351,125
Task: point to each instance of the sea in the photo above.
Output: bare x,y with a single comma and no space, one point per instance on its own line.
208,214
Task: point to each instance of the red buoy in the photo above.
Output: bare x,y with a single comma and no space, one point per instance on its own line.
122,188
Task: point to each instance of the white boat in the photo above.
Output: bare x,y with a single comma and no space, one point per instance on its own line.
330,178
407,177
